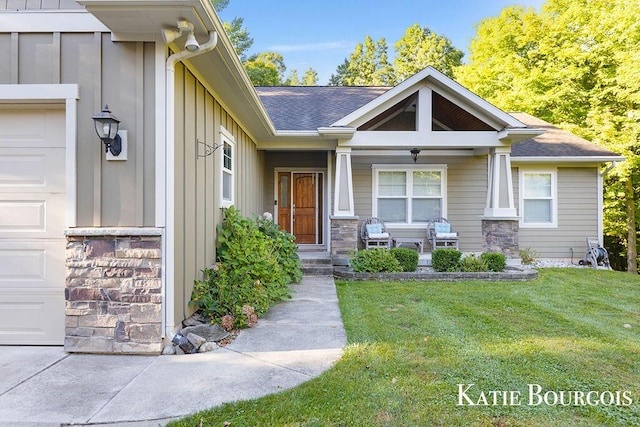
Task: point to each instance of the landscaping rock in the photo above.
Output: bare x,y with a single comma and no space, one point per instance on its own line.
207,346
193,320
169,350
209,332
196,340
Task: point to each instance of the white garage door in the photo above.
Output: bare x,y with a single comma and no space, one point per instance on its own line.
32,209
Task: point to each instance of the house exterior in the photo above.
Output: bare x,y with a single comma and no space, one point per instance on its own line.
99,252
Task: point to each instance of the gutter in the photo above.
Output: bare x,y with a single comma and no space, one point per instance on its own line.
169,241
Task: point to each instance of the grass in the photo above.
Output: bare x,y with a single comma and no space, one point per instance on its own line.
412,343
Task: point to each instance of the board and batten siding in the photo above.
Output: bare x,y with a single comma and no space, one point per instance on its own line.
577,215
39,4
199,116
466,195
121,74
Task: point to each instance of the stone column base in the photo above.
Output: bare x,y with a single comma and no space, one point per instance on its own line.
113,291
501,235
344,238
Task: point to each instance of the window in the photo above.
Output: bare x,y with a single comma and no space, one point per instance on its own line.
227,169
538,198
408,195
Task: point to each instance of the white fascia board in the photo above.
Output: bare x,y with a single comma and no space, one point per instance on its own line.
403,139
405,153
297,145
50,21
567,159
519,134
38,92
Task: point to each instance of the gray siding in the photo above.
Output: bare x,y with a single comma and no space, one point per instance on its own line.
198,117
288,159
577,215
466,195
120,74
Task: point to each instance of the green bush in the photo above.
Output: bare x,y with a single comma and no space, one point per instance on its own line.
255,263
495,261
472,263
408,258
528,255
446,260
375,261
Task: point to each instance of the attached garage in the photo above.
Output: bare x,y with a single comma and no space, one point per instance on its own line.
32,223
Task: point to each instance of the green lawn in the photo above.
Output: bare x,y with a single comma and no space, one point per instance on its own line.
411,344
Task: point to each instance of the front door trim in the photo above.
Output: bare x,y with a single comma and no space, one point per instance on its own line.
325,213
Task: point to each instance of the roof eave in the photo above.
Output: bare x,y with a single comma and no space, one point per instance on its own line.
566,159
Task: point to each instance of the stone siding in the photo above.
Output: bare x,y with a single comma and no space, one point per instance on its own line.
113,294
501,235
344,238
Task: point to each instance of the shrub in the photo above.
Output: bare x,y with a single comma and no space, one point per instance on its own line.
445,259
375,261
408,258
472,263
528,255
255,262
495,261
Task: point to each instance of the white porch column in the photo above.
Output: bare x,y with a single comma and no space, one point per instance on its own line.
343,195
500,202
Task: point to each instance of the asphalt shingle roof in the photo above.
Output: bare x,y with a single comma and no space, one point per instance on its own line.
554,142
311,107
303,108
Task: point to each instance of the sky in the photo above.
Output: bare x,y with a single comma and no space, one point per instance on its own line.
321,33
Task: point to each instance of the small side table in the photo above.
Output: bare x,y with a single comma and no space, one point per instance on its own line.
397,241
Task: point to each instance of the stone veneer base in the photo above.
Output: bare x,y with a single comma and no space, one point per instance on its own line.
344,238
509,275
113,293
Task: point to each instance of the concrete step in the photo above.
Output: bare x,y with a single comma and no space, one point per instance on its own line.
317,270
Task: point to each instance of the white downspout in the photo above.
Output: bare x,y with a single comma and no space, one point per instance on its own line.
169,282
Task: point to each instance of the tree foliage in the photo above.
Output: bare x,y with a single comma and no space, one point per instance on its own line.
266,69
368,65
419,48
239,36
574,63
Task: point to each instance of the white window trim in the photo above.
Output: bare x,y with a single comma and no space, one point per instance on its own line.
227,137
554,197
376,168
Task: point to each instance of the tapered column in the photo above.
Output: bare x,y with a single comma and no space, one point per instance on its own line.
343,194
500,202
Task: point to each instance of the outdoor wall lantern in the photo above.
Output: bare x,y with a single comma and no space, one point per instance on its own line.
107,125
414,154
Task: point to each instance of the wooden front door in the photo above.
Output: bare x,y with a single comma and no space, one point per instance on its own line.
300,205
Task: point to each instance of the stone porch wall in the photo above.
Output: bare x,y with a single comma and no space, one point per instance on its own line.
113,291
501,235
344,237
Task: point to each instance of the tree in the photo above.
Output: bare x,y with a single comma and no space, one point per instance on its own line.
366,66
239,36
266,69
218,5
419,47
293,79
310,77
575,63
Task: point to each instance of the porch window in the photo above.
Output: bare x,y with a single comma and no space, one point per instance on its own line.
408,196
227,180
538,198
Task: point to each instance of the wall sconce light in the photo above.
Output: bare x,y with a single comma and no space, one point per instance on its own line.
107,125
414,154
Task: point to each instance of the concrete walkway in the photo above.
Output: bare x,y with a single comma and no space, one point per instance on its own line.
296,341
